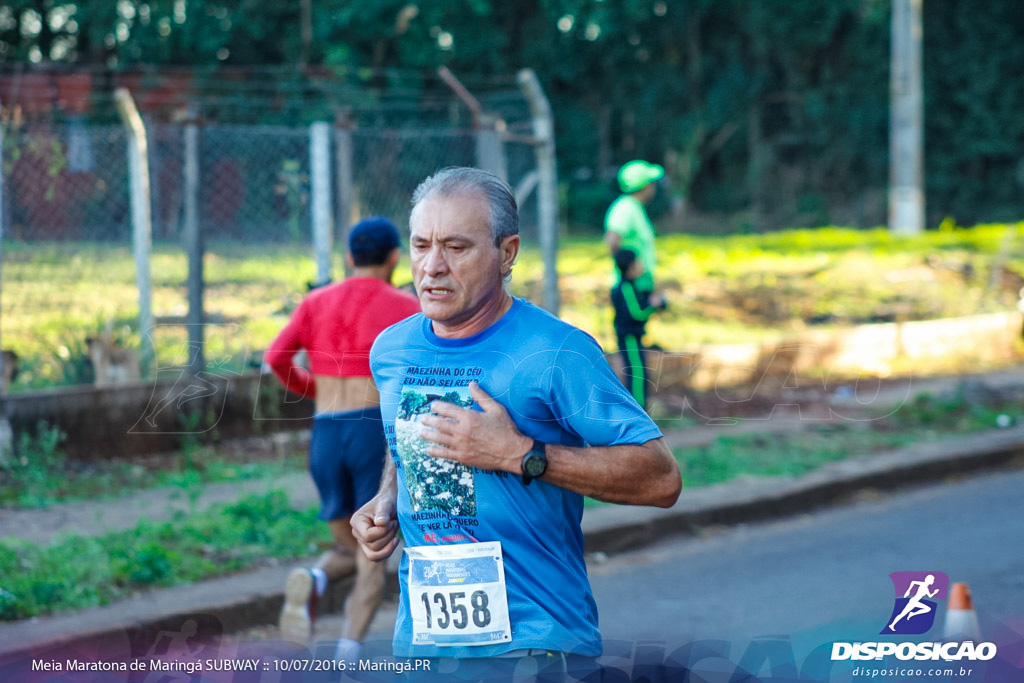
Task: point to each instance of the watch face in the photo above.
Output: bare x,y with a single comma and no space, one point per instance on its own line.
535,466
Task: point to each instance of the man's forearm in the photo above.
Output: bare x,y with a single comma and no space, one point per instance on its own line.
633,474
389,477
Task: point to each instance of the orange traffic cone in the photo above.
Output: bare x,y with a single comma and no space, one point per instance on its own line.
961,620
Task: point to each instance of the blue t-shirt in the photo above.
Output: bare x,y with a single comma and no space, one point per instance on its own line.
558,388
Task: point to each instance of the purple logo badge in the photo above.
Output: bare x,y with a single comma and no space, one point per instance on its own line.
916,593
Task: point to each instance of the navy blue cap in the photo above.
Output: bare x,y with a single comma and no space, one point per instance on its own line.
624,258
373,234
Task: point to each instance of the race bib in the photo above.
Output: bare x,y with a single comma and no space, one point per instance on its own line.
457,595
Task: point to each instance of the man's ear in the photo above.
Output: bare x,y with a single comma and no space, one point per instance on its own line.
509,249
348,260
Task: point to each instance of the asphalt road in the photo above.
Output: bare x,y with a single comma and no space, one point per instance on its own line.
808,581
804,582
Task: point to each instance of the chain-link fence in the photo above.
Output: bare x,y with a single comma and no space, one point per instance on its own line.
68,182
65,182
70,270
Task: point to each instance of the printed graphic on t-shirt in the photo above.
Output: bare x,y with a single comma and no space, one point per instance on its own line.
432,483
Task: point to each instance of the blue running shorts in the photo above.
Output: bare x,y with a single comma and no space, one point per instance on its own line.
346,459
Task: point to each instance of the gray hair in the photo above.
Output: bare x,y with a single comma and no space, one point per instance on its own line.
463,181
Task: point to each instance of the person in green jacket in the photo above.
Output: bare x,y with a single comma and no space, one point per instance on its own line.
633,308
627,225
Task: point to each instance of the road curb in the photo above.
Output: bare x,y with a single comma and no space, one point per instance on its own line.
232,603
751,499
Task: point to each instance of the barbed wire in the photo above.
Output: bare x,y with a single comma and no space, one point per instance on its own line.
247,94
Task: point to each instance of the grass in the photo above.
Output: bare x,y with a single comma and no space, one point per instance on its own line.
925,418
37,474
79,572
742,288
56,295
722,290
263,530
726,289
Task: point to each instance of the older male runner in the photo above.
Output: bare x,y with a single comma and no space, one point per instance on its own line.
500,418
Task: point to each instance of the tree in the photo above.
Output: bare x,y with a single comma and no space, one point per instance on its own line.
776,110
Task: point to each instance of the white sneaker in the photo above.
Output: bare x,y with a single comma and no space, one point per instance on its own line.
299,609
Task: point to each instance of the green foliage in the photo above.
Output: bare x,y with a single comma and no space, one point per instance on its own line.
973,126
750,104
197,428
925,418
149,564
78,572
761,455
972,406
38,475
27,470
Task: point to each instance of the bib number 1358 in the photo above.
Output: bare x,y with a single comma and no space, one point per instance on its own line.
457,594
454,609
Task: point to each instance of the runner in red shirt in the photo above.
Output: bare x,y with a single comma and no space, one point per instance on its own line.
336,325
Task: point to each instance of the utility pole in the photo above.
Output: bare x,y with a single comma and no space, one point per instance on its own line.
906,130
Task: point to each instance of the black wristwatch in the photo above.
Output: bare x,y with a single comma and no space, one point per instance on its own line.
535,462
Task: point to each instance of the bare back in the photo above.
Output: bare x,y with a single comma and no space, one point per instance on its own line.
344,394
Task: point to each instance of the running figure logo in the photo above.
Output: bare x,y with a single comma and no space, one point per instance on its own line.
914,612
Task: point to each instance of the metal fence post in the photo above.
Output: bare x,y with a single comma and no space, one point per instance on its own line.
142,222
490,150
193,237
547,190
320,191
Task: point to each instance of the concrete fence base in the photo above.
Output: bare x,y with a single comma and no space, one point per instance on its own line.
160,416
